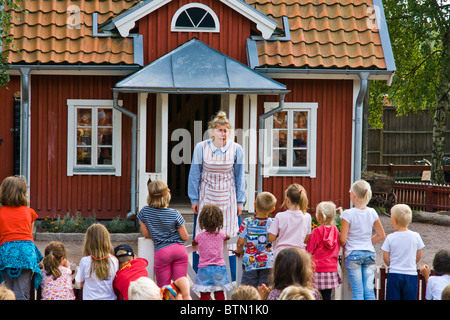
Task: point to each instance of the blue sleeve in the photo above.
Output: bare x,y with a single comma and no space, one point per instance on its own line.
239,175
195,174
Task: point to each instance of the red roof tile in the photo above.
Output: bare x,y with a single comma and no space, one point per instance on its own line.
43,33
324,34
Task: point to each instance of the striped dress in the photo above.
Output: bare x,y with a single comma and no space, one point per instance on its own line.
217,185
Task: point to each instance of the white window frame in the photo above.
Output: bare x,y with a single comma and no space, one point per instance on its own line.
289,170
174,28
72,168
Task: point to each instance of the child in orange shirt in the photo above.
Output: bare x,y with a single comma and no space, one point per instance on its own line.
19,257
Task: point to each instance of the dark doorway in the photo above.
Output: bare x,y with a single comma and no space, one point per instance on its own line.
184,111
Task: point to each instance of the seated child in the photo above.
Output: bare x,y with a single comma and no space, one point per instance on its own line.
437,283
253,242
130,268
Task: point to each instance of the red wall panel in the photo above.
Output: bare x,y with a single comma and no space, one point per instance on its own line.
334,137
6,124
159,40
54,193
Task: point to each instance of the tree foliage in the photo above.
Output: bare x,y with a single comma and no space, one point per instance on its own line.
7,11
420,37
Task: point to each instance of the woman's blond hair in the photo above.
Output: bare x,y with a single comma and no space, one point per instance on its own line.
362,190
97,245
219,120
54,252
158,194
13,192
297,195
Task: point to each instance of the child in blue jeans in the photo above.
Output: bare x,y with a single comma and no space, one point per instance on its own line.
357,239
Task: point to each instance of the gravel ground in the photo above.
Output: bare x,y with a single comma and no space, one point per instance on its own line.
435,237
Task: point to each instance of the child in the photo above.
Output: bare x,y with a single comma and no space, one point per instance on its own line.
19,256
292,266
98,268
212,273
166,228
357,239
436,284
253,242
292,228
57,281
245,292
324,247
295,292
401,252
130,268
144,288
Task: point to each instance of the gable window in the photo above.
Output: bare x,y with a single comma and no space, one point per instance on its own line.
94,137
195,17
290,140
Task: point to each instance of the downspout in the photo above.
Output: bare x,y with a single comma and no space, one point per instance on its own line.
133,151
364,76
25,123
262,119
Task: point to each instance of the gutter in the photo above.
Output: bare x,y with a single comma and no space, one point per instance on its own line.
358,126
25,123
133,117
262,119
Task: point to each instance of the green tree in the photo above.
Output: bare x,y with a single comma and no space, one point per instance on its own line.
7,11
420,37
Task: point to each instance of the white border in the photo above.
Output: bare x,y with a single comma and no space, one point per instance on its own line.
173,27
311,107
71,138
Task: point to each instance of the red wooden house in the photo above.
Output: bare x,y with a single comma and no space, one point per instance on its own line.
114,92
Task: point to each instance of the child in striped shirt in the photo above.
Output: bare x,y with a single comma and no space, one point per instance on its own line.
165,226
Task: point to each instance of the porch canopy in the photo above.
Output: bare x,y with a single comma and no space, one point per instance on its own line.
196,68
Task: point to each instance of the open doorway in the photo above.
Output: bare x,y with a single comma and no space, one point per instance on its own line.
184,111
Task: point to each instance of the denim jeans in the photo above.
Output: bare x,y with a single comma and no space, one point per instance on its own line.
361,274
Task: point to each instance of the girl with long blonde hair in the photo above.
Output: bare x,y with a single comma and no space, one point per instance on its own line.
98,267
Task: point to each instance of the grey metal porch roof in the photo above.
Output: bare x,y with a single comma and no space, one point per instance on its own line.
195,67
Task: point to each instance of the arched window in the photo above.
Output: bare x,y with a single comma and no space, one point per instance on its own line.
195,17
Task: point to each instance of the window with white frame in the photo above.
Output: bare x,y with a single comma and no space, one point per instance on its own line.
290,140
195,17
93,137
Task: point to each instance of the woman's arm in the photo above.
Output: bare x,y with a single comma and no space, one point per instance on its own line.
194,176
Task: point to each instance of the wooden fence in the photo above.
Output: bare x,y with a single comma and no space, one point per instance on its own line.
423,196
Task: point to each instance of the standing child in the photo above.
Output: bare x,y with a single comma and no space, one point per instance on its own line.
253,242
324,247
57,281
19,256
98,267
292,228
130,268
212,273
437,283
357,239
401,252
165,226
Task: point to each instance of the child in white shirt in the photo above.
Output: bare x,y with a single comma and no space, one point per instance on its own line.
437,283
401,252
